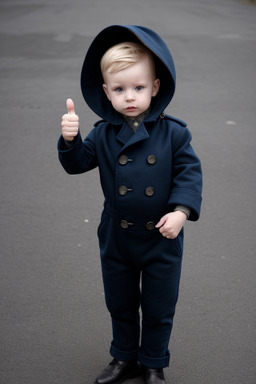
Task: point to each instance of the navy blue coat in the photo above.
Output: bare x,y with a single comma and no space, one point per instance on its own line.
175,176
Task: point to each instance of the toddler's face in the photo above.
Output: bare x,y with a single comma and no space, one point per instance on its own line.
131,89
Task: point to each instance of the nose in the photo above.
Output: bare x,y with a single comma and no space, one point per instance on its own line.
129,95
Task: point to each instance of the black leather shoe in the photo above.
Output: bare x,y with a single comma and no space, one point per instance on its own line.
118,371
153,376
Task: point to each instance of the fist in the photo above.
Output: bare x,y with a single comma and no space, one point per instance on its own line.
70,122
171,224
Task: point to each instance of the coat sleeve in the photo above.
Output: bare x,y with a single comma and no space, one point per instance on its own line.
80,157
186,174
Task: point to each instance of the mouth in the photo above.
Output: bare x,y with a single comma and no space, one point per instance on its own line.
130,108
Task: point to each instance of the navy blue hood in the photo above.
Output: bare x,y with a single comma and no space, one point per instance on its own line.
91,78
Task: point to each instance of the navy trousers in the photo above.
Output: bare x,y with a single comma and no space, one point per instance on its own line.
141,270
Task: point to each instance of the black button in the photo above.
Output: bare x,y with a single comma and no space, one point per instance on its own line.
123,159
124,224
150,225
151,159
150,191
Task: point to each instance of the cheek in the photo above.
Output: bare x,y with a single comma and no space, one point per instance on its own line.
115,102
147,98
116,99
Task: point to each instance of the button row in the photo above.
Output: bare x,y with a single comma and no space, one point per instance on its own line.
124,224
123,190
123,159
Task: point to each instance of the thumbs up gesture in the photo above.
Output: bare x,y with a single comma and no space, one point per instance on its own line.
70,122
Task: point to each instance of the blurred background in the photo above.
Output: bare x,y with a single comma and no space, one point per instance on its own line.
54,326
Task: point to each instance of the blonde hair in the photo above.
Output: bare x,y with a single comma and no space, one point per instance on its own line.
123,55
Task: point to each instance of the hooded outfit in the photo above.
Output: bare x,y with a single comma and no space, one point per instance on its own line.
145,173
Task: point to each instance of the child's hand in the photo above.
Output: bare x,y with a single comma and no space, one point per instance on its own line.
171,224
70,122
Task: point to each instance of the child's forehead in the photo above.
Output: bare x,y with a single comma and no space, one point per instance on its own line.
133,75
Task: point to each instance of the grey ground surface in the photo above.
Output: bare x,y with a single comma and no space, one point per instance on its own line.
54,325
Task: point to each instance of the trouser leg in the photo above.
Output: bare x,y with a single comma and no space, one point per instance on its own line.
160,286
123,300
122,294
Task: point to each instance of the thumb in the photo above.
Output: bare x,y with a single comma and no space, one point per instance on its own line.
161,222
70,106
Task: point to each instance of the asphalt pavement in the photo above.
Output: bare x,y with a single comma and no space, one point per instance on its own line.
54,326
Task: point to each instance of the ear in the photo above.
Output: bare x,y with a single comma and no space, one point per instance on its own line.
106,91
156,87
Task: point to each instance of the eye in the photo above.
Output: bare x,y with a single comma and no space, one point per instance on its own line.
139,88
118,89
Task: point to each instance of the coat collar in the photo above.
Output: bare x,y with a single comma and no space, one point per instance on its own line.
127,137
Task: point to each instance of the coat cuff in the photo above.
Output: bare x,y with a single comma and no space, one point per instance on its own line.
187,198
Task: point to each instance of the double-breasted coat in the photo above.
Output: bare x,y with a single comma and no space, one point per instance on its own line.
144,175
